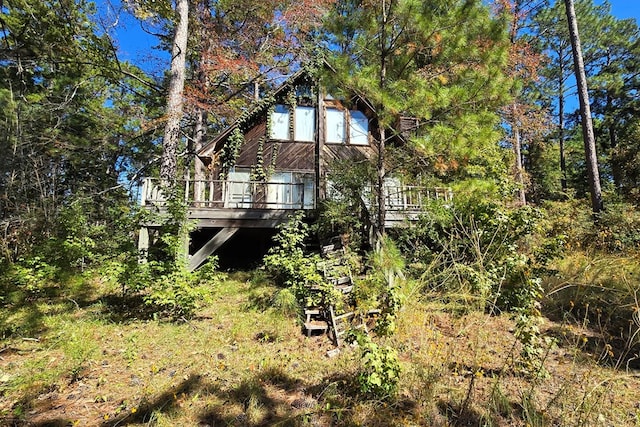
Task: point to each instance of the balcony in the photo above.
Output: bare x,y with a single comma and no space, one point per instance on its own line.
237,193
240,202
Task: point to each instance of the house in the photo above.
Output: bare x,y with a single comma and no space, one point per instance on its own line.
275,158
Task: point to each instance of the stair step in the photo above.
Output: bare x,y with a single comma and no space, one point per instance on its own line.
344,316
341,280
345,289
315,325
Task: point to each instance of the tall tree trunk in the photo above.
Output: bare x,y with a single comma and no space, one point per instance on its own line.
585,110
168,165
381,127
517,147
517,136
563,160
199,175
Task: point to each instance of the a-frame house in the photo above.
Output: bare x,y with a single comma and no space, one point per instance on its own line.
275,158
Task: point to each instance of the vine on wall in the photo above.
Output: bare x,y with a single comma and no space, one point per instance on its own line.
230,152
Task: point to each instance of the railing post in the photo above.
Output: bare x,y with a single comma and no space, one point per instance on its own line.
143,197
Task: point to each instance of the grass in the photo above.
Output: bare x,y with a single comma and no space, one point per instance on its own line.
81,355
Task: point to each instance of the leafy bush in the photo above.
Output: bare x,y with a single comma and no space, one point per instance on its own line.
172,290
379,368
164,281
484,249
616,229
290,267
31,276
345,212
380,288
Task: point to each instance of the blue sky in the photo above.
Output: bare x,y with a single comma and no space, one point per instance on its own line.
625,8
138,47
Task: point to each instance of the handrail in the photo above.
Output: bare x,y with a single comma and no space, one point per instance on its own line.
234,194
238,194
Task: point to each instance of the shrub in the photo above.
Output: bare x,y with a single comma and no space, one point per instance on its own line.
379,368
164,281
290,267
616,229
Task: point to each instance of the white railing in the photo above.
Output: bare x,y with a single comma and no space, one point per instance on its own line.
406,198
235,194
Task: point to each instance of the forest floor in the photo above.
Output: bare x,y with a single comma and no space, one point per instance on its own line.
85,356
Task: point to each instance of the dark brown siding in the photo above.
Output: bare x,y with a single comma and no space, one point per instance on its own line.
249,151
289,155
356,153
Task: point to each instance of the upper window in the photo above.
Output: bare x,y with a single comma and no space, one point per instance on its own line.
337,122
358,128
304,123
335,126
280,123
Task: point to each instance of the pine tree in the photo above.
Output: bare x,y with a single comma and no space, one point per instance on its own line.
585,110
61,127
442,62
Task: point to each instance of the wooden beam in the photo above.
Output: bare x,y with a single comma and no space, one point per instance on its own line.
210,247
143,244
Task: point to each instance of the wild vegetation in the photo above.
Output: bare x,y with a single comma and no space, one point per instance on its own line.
77,349
514,304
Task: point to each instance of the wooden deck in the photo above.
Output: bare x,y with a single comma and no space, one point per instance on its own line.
230,205
252,204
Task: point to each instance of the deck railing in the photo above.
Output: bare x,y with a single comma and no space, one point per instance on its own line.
412,198
234,194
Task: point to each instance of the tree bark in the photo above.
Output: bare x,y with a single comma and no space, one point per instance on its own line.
585,110
517,146
381,219
169,160
200,170
563,161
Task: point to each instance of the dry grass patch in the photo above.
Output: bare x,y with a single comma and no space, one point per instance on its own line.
241,362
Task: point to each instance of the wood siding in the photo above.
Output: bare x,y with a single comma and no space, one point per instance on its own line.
336,152
293,156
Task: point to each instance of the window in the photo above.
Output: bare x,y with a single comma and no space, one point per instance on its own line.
305,124
290,190
358,128
336,122
335,126
280,123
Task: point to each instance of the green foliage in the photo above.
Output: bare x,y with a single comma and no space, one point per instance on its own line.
381,287
163,279
420,58
31,276
168,289
290,267
230,151
616,229
379,368
345,213
493,253
497,255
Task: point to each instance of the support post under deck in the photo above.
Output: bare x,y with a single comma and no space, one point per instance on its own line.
143,243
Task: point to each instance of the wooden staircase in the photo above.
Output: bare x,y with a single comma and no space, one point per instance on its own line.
336,271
